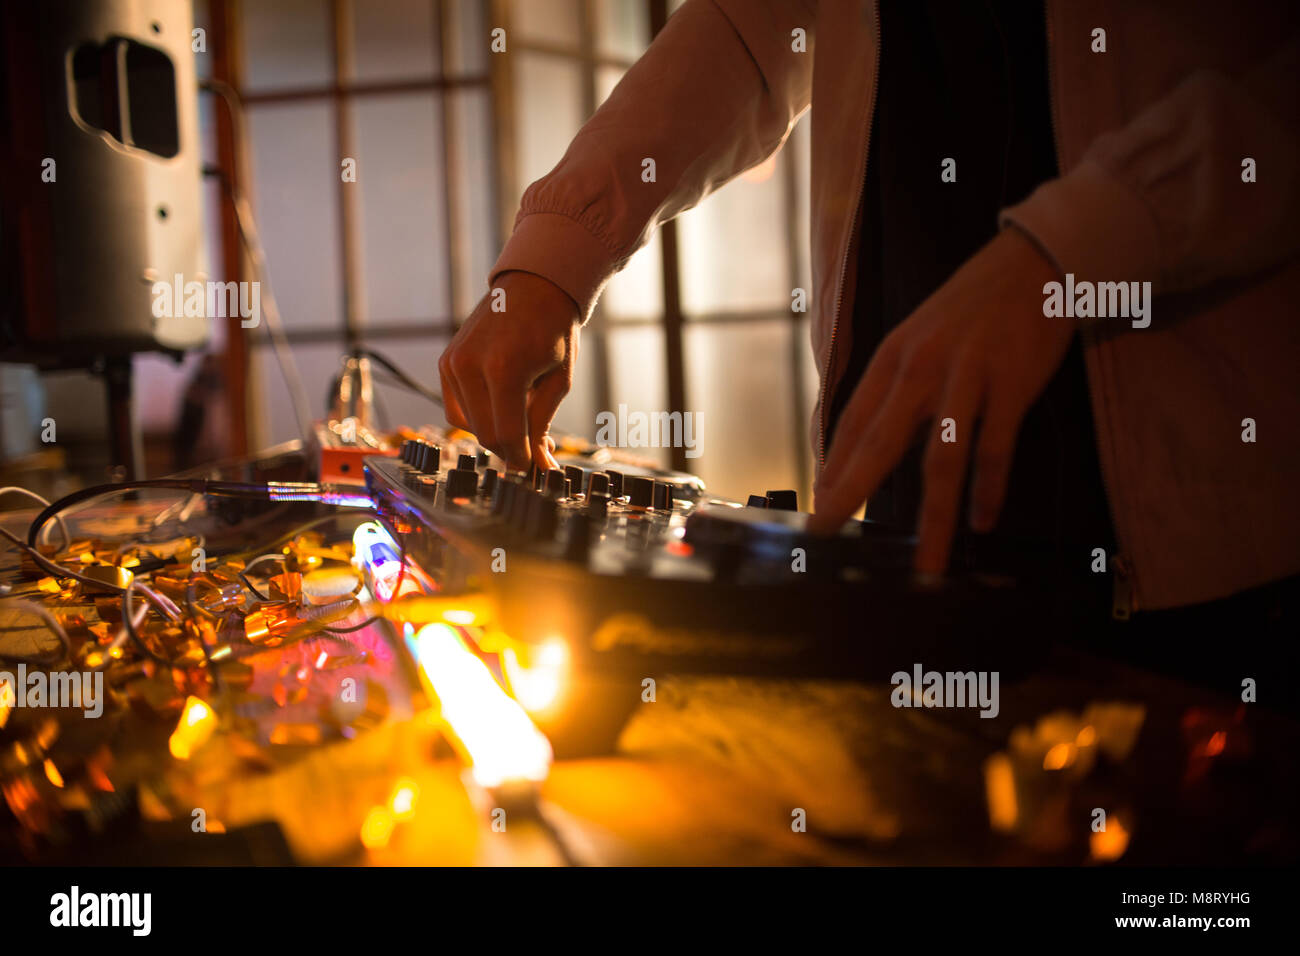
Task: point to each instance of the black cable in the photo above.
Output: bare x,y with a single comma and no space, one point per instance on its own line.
131,631
391,367
59,570
300,529
272,491
249,584
355,627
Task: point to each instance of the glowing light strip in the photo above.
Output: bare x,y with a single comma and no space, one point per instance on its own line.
498,738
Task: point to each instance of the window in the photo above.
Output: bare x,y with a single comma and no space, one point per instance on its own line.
446,136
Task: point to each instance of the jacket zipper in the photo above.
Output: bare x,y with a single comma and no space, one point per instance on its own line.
844,266
1123,584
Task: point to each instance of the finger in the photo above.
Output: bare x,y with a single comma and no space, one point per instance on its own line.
877,451
944,469
994,455
543,403
452,406
857,414
509,398
477,405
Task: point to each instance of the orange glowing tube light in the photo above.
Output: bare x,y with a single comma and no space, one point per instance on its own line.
495,734
193,730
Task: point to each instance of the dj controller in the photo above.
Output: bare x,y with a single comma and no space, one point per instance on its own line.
642,572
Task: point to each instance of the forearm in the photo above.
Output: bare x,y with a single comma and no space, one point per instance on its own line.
715,93
1166,197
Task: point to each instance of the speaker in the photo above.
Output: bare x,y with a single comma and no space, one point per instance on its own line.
100,194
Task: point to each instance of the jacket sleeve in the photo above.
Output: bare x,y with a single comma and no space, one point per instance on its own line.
1164,198
715,93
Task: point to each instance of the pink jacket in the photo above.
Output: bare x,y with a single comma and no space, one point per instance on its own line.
1151,139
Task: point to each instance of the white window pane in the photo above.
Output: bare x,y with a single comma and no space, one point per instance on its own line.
733,246
811,389
471,35
548,104
738,379
317,363
638,291
636,374
401,182
417,356
394,39
473,203
287,43
296,179
797,150
622,27
546,21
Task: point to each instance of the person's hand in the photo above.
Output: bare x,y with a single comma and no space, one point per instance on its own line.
979,348
505,372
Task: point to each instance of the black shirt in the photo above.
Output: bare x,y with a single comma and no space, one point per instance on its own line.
968,82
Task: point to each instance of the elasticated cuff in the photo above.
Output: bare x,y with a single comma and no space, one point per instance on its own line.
1092,225
561,250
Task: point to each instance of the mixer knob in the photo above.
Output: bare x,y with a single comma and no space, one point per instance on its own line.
517,507
461,483
428,458
575,476
756,501
578,547
541,517
407,450
489,482
556,484
467,463
663,496
641,491
506,489
785,500
597,484
615,484
538,477
597,504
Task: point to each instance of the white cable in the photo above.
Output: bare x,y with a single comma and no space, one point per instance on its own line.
31,607
45,531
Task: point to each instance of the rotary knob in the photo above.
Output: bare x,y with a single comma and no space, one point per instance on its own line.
785,500
461,483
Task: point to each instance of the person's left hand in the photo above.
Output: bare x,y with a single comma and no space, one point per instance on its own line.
979,348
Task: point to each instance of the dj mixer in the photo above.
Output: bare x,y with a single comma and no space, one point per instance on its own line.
642,572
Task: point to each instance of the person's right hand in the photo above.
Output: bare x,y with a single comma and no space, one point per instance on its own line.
505,373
